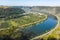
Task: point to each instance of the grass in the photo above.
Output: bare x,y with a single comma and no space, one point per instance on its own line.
24,21
13,23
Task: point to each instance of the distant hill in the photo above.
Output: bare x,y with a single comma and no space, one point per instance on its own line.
13,11
45,9
6,12
4,7
58,10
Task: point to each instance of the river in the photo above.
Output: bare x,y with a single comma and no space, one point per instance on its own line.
41,28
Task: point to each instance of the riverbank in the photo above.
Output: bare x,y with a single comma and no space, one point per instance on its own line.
13,28
45,33
34,23
38,21
55,33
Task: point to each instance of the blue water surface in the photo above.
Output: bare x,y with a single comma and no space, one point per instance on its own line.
41,28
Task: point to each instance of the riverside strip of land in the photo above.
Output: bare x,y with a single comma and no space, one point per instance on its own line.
54,33
46,34
13,23
39,21
22,22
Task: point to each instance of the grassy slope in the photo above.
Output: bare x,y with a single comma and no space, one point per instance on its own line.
14,23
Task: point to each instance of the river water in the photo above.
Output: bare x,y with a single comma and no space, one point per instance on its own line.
41,28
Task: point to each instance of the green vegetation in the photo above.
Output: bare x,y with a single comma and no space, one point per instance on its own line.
9,13
24,20
21,22
12,21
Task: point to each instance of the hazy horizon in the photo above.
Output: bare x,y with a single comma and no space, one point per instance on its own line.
30,2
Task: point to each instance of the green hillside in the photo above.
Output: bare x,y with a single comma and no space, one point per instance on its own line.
12,21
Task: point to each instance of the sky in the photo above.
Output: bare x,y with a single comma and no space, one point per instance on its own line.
30,2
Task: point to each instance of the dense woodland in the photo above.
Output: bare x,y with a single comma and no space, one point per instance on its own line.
10,12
